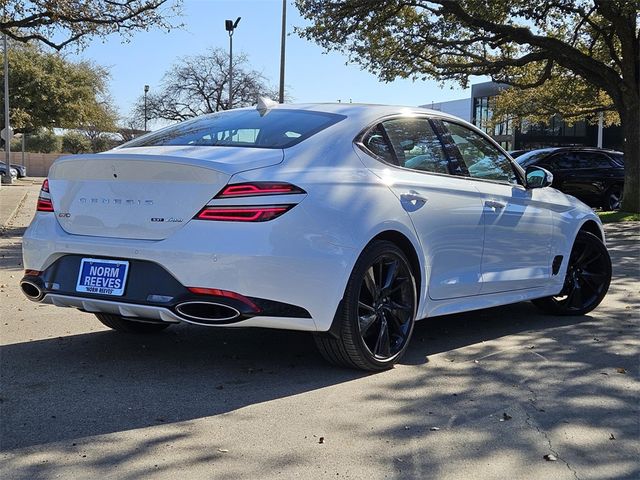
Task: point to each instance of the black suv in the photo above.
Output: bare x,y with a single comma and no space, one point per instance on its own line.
593,175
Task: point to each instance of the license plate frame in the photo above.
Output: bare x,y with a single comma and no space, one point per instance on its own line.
102,276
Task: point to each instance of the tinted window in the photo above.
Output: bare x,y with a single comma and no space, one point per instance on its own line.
618,157
376,142
416,145
571,160
532,157
242,128
482,159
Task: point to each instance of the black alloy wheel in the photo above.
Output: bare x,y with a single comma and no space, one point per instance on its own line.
587,279
378,311
612,198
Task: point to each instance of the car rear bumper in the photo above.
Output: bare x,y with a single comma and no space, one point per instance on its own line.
295,276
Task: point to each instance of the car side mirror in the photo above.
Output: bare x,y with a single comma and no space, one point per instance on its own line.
538,177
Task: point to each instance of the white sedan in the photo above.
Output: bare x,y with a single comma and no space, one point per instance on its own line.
348,221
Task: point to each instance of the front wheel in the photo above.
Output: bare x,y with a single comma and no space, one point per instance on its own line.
377,314
587,279
121,324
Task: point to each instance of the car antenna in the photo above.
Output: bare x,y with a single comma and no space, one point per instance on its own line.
265,105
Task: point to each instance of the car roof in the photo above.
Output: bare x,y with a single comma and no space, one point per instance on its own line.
573,149
361,110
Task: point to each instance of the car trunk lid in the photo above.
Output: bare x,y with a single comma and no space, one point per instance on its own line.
144,193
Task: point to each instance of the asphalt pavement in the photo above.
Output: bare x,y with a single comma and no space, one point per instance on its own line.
481,395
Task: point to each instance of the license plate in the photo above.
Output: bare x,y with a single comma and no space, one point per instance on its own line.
106,277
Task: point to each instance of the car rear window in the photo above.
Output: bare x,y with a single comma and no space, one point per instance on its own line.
242,128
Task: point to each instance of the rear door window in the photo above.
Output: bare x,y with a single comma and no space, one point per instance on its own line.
409,143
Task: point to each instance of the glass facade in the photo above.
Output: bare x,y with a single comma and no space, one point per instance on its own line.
502,131
529,136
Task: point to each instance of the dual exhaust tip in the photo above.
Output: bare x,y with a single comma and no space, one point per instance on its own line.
197,311
32,290
207,313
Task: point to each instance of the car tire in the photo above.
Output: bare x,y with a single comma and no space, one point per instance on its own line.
124,325
587,279
612,198
374,322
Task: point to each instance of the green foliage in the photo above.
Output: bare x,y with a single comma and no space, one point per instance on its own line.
45,91
569,57
75,142
615,217
43,141
59,23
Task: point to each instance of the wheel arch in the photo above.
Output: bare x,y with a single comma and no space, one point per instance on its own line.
591,226
403,242
407,247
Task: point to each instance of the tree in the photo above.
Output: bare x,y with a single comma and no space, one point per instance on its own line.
564,95
518,42
59,23
75,142
48,91
43,140
199,84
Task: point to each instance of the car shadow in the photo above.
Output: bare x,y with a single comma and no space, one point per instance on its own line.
95,383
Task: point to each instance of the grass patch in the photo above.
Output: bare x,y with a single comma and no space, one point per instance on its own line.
614,217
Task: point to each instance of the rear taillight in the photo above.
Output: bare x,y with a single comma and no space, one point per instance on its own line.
250,213
255,189
44,199
260,213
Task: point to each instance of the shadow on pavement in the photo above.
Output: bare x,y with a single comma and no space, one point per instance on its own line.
95,383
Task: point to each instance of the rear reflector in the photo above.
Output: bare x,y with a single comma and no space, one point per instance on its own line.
262,213
255,189
215,292
32,273
44,199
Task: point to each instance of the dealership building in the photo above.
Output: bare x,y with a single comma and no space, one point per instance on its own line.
526,136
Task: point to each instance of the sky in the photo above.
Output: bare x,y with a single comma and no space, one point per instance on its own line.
310,76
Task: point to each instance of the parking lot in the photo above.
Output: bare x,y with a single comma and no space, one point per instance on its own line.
486,394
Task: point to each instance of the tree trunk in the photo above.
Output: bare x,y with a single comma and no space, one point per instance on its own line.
630,119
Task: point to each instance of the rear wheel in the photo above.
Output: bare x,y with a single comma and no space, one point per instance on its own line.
612,198
121,324
587,280
376,317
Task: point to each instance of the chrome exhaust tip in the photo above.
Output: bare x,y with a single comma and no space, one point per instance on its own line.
31,291
207,313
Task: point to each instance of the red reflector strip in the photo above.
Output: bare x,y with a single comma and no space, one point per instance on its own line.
44,205
215,292
32,273
257,189
243,214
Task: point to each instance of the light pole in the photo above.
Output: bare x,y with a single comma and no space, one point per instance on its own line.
146,90
282,49
7,128
230,26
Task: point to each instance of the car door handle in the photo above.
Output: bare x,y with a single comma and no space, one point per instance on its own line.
413,196
495,205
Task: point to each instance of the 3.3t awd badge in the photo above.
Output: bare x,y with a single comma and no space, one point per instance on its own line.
168,220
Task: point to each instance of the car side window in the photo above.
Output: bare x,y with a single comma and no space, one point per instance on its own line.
376,142
416,145
593,160
483,160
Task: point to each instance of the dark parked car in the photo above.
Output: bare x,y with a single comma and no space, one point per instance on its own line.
21,169
593,175
3,171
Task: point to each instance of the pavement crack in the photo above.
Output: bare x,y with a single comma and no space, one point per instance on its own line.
529,421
